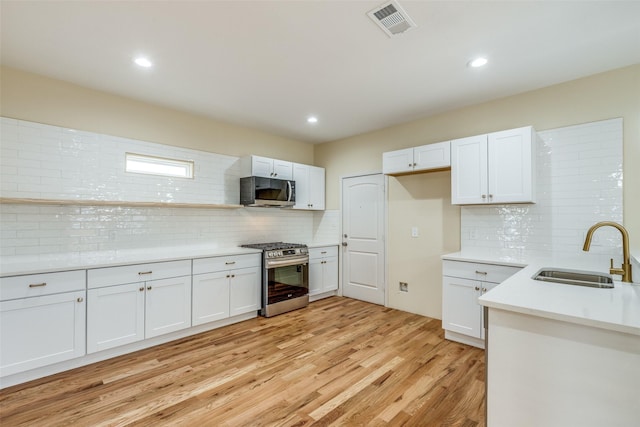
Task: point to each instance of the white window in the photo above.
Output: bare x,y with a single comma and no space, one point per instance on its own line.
150,165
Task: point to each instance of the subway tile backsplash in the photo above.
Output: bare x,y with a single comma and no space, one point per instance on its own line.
579,182
48,162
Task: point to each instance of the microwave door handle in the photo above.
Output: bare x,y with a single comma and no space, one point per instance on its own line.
289,190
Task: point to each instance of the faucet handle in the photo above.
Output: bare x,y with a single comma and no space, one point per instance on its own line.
614,270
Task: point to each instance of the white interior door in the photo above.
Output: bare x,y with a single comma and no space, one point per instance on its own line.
363,238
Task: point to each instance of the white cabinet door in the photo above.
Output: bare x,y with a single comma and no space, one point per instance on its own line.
301,178
210,297
331,274
461,312
168,305
316,274
432,156
115,316
309,187
469,170
244,293
316,188
261,166
282,169
39,331
398,161
511,166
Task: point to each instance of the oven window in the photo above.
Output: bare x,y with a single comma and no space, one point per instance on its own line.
287,282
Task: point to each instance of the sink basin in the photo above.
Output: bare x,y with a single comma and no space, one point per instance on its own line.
574,277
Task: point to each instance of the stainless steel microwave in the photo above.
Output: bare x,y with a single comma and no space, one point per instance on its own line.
267,192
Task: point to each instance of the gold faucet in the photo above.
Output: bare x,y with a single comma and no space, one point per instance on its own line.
625,270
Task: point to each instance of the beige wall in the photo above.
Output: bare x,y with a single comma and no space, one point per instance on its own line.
424,199
40,99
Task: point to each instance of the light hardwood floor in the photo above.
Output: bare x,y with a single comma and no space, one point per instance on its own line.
337,362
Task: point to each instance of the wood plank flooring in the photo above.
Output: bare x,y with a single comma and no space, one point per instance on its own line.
338,362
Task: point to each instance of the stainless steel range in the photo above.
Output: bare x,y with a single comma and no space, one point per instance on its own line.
285,277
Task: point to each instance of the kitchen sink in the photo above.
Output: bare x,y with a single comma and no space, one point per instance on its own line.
574,277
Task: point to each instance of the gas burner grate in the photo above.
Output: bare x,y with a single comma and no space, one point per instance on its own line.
274,246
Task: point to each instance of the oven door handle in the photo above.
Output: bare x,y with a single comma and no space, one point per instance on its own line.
273,263
289,191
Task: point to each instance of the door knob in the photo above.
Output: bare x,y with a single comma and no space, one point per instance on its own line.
344,243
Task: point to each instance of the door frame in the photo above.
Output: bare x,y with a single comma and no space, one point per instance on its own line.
385,228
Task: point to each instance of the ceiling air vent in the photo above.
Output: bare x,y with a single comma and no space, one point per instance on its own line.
392,18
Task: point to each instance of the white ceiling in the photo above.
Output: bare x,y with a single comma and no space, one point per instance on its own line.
270,64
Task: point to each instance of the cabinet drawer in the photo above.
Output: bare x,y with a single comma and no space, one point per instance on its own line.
477,271
34,285
221,263
323,252
109,276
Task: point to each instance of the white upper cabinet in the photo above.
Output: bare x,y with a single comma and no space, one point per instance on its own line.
417,159
266,167
309,187
494,168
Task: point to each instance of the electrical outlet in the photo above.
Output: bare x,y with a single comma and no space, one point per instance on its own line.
473,234
414,231
404,287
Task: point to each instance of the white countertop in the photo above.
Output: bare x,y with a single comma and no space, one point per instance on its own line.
18,265
34,264
616,309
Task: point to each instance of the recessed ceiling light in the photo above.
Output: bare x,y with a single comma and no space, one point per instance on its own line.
312,119
143,62
478,62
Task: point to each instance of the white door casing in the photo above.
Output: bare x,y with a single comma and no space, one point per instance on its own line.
363,238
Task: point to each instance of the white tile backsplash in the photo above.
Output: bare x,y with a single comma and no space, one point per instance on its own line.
49,162
579,182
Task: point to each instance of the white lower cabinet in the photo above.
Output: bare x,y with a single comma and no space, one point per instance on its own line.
462,284
225,286
42,320
48,319
151,304
323,269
